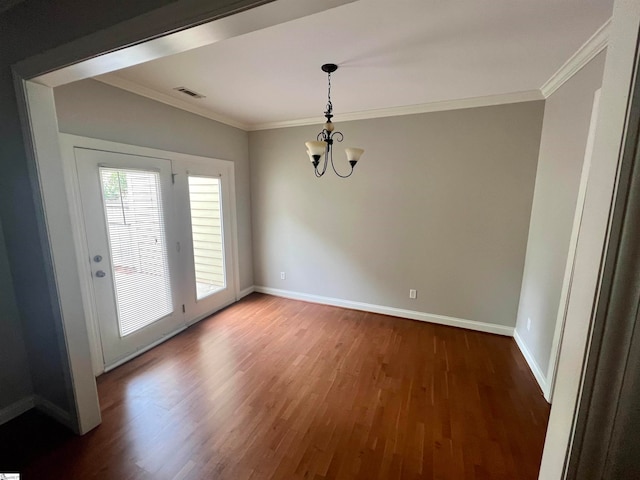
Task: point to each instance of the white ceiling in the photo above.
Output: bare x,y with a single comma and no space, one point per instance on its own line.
390,53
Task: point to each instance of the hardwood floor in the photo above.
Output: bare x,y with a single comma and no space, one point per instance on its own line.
278,389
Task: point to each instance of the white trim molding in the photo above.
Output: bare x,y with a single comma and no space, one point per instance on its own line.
146,348
54,411
395,312
36,401
458,104
533,365
247,291
592,47
161,32
485,101
117,81
168,336
16,409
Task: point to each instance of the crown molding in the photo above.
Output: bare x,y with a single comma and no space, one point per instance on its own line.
473,102
592,47
486,101
133,87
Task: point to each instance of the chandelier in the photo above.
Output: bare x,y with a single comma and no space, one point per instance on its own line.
323,145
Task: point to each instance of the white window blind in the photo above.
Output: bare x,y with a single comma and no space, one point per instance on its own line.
137,241
206,226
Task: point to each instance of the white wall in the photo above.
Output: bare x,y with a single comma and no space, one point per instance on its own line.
562,148
440,202
92,109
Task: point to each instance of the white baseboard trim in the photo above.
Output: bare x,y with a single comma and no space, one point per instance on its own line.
122,361
205,315
533,365
54,411
27,403
168,336
16,409
395,312
246,291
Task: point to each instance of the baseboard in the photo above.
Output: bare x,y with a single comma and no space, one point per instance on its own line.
54,411
533,365
395,312
246,291
16,409
27,403
168,336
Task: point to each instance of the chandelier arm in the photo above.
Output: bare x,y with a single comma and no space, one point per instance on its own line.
324,167
326,163
336,171
338,136
324,136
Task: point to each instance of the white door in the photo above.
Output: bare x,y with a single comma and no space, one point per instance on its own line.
128,212
203,206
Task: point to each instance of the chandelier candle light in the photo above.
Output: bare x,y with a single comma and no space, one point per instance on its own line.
324,142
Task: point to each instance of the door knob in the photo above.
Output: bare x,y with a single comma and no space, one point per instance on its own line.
97,258
100,274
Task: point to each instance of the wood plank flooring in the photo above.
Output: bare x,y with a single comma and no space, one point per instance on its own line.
271,388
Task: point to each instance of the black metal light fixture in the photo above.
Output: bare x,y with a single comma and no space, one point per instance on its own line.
324,142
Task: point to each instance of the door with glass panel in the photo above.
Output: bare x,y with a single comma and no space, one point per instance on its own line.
203,200
128,209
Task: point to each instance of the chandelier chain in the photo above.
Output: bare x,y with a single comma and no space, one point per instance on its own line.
329,104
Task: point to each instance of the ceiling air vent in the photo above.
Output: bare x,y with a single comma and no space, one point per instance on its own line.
189,92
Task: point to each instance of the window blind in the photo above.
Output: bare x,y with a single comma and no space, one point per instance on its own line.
137,242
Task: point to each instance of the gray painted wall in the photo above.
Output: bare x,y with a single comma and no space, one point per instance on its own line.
562,148
93,109
15,380
440,202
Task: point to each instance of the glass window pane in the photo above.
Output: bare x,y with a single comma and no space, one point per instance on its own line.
206,226
137,241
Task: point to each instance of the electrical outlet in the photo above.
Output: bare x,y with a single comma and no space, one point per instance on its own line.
413,293
283,276
528,324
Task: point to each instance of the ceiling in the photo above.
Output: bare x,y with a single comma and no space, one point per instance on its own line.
390,54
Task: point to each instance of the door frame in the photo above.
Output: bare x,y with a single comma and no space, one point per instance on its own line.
571,256
605,444
587,295
78,228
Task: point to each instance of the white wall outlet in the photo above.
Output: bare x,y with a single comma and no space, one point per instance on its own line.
283,276
413,293
528,324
